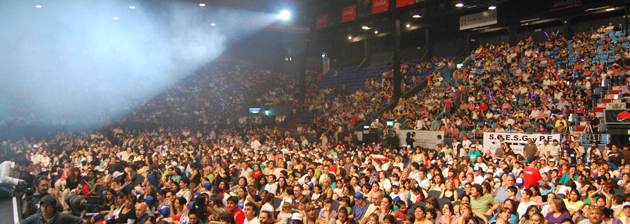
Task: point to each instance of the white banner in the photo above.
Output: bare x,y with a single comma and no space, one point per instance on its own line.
478,20
425,139
517,141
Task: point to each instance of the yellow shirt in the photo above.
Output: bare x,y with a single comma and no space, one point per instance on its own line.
575,207
425,222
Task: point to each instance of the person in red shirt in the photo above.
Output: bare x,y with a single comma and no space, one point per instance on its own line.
531,175
232,207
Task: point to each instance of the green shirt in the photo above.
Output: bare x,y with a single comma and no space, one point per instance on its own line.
483,203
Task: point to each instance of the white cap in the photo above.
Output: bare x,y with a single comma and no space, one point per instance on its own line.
296,217
116,174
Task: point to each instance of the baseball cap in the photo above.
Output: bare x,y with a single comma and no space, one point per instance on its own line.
396,199
207,185
519,181
477,168
296,217
148,200
359,195
396,184
49,200
116,174
490,171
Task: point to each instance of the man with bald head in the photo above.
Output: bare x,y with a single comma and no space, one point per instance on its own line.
141,213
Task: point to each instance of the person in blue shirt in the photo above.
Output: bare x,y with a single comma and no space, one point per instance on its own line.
508,207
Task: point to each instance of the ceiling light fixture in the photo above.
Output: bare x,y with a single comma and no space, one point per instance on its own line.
408,25
349,37
492,7
202,4
115,18
376,32
459,5
132,7
38,6
610,9
416,16
365,27
212,24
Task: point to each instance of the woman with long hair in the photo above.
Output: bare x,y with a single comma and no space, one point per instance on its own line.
531,210
449,192
195,176
72,185
557,212
257,172
242,196
281,189
126,212
536,197
310,214
163,207
448,214
105,208
573,201
179,209
437,182
453,178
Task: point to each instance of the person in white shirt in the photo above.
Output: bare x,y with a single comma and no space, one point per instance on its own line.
478,177
466,143
544,149
9,178
250,214
555,150
255,144
397,124
526,201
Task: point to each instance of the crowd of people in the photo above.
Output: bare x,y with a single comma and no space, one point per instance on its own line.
338,110
528,88
237,174
223,86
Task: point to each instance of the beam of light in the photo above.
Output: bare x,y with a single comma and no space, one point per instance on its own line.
83,60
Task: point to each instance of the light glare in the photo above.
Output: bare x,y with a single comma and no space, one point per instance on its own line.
285,15
492,7
115,18
38,6
202,4
349,37
416,16
610,9
212,24
459,5
132,7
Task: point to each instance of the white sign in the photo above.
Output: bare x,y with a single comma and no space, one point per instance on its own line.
478,20
516,141
426,139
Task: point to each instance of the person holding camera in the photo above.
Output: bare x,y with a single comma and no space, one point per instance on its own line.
32,198
50,213
10,178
